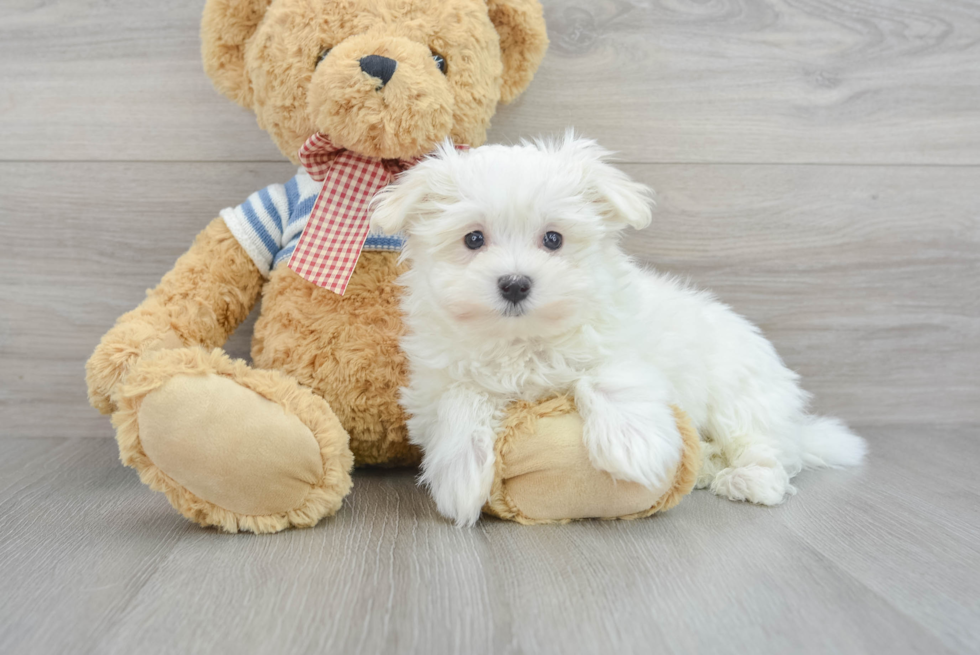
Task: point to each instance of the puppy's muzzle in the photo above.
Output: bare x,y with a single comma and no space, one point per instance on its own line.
514,288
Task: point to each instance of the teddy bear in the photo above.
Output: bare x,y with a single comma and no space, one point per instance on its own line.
363,87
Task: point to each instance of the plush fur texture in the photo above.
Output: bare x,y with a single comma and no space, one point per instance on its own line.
523,418
207,294
266,55
267,58
626,343
346,348
152,372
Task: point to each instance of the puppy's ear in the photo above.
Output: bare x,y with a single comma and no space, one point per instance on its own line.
523,42
226,27
399,201
414,192
622,199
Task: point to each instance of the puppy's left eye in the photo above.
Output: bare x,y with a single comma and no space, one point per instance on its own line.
551,240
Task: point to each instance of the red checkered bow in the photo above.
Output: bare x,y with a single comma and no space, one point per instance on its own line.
331,243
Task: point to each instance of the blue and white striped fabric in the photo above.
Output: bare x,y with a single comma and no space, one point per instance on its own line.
268,225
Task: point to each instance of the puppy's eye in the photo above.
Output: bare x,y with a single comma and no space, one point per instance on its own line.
474,240
551,240
323,55
440,62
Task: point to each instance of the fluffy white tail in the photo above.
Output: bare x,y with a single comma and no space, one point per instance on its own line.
828,442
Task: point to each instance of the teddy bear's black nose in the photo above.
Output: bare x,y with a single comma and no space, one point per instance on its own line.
514,288
380,67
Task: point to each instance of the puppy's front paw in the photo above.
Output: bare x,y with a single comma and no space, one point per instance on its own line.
460,477
629,435
458,499
457,443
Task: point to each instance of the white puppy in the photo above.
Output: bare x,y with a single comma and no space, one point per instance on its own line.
518,290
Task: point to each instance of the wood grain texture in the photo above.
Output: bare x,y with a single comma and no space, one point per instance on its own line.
75,557
856,81
99,238
860,275
883,559
863,277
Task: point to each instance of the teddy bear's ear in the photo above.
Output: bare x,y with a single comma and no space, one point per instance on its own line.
523,41
226,27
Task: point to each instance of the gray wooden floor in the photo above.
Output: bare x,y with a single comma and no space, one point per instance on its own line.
817,164
883,560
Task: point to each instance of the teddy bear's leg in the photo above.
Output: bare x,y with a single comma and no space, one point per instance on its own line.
230,446
544,471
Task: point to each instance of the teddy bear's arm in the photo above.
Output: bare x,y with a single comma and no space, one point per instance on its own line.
207,294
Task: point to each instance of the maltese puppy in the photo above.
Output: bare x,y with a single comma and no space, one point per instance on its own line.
518,289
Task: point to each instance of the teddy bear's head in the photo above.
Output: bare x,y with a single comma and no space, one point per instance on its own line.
384,78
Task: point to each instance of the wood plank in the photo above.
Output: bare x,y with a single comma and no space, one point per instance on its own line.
391,576
858,274
907,526
79,537
710,576
863,278
114,80
19,454
385,575
120,227
869,560
765,81
752,81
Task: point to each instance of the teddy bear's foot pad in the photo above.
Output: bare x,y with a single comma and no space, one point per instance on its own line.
231,446
544,475
228,445
550,477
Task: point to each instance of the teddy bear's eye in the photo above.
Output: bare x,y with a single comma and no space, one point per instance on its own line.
323,55
552,240
474,240
440,62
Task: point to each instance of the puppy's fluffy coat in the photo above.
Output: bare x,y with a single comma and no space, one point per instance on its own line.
624,341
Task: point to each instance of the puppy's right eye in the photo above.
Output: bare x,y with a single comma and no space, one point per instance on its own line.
474,240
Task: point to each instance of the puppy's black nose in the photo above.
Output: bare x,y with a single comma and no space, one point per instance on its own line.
514,288
380,67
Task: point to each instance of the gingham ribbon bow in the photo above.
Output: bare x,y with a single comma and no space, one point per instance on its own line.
331,243
334,236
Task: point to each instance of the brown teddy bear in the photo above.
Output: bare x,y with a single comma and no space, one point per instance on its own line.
268,446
